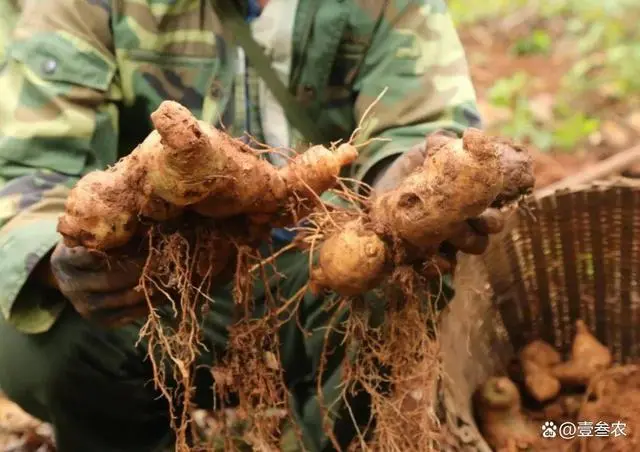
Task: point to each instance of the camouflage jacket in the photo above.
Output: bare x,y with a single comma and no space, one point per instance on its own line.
80,78
9,11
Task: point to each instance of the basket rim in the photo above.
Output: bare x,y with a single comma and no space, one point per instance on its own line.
602,184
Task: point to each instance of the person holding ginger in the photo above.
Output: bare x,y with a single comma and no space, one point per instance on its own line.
79,81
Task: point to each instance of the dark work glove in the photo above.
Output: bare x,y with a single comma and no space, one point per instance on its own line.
472,236
100,287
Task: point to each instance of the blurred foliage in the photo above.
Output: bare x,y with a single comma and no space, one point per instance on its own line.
538,43
603,39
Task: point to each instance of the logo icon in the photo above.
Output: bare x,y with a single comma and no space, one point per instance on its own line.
549,429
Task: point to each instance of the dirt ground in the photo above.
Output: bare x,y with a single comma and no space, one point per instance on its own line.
488,50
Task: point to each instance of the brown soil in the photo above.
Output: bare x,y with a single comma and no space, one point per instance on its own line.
490,57
488,50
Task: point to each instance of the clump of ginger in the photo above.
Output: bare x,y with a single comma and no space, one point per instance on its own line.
558,390
588,358
204,200
459,180
536,359
186,163
500,417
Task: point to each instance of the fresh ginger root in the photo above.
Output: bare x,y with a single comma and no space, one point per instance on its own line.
459,180
539,382
188,163
501,419
536,359
540,352
588,358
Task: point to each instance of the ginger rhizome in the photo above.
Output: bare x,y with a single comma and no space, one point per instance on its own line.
537,358
588,358
501,419
389,245
201,202
460,179
188,163
587,387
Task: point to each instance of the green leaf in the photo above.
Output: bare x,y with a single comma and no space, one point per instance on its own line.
539,42
572,130
504,90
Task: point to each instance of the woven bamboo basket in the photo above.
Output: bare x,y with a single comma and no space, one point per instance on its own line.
574,254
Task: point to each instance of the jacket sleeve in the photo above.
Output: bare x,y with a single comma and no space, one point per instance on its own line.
58,120
417,56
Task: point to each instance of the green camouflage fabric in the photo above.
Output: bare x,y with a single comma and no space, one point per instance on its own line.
9,12
81,77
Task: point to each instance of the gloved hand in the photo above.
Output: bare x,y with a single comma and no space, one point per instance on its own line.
472,236
101,288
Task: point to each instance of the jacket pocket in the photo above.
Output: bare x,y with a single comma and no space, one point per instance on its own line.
57,59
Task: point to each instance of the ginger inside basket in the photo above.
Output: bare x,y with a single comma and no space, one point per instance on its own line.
572,255
545,403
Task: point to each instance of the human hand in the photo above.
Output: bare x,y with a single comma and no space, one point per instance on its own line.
472,236
101,288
